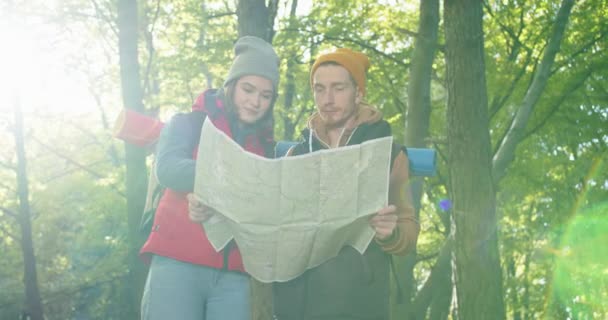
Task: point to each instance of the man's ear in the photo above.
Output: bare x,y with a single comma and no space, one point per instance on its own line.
358,97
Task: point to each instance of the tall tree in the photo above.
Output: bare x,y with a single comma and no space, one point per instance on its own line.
135,158
33,309
421,68
290,81
417,122
477,271
255,18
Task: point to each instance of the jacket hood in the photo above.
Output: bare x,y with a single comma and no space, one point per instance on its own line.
365,114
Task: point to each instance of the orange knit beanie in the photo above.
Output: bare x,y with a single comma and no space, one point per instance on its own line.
355,62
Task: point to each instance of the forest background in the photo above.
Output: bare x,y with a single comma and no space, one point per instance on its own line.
511,94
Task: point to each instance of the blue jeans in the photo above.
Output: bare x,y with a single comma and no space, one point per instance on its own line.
185,291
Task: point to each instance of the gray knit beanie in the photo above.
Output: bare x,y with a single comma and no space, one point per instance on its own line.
254,56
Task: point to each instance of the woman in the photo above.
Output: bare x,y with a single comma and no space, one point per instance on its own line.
188,279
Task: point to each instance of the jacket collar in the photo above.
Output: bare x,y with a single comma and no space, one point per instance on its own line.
365,114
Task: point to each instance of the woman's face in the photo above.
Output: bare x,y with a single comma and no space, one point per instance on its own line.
252,98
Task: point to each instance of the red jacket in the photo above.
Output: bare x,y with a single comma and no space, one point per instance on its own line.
173,234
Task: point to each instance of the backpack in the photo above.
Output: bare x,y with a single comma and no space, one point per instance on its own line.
155,189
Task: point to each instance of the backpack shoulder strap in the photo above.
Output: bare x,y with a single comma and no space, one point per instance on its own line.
155,189
268,147
196,119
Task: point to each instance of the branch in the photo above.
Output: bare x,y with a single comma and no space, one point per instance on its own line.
390,86
365,44
77,14
53,296
150,47
506,152
220,14
578,52
68,159
302,112
156,14
509,32
500,101
113,153
599,86
9,213
9,233
408,32
66,172
442,154
95,140
360,43
273,9
6,166
76,164
105,18
559,102
14,215
425,295
444,216
7,187
399,104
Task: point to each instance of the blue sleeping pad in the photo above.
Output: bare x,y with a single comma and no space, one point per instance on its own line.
422,160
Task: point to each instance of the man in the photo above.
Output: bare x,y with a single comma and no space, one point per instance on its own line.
350,285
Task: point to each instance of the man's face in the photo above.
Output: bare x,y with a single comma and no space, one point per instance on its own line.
336,95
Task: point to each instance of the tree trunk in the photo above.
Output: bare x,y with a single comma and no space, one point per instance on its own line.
256,19
33,302
437,289
526,284
477,274
511,280
135,157
289,126
442,289
202,42
417,131
419,85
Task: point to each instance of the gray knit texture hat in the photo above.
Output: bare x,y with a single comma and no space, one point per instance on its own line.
254,56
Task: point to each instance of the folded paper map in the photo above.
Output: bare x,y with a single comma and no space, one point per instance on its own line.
290,214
